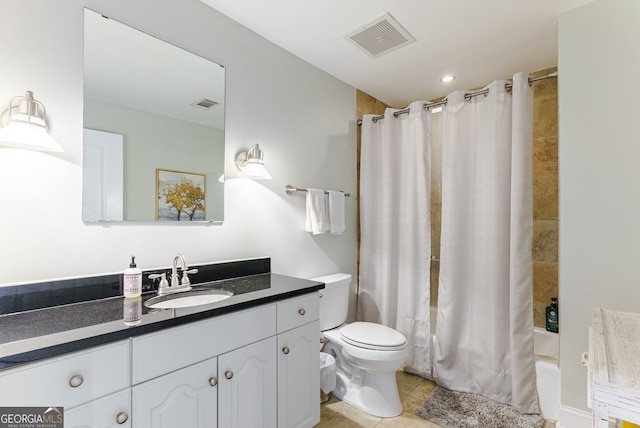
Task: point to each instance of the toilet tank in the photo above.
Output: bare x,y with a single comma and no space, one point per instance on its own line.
334,303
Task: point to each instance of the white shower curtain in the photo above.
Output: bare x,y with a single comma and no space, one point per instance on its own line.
484,327
395,246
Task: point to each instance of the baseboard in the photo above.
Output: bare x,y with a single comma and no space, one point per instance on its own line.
573,418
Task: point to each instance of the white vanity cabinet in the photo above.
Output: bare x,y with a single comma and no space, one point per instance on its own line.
252,368
177,372
84,383
299,362
162,352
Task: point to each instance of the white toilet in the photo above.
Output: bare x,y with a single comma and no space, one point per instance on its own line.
367,354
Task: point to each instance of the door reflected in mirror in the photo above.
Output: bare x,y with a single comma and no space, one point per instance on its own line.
148,106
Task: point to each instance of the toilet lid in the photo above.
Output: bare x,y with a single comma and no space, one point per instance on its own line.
373,336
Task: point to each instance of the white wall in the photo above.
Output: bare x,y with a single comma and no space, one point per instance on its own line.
171,150
599,65
303,118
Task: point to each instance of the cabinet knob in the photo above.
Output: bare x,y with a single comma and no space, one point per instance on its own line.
213,381
228,374
121,418
76,381
285,350
301,311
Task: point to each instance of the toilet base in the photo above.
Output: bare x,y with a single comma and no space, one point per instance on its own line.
364,393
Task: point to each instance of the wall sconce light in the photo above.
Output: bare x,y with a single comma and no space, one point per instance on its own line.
251,165
24,125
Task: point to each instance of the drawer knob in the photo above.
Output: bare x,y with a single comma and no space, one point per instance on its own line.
213,381
122,417
228,374
76,381
301,311
285,350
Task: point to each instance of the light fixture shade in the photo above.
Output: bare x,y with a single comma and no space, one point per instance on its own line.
255,169
251,164
24,125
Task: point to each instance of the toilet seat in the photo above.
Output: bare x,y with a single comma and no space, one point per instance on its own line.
369,335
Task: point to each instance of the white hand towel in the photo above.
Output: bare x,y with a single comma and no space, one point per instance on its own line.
336,212
317,214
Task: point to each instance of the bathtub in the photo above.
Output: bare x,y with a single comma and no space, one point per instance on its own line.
546,347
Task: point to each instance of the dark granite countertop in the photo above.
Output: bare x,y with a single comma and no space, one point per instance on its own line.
45,332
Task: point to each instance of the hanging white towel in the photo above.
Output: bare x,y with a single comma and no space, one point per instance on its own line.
317,212
336,212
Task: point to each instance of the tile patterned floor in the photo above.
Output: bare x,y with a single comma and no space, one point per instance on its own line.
413,391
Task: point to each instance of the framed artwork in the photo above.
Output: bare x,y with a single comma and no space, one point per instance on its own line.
180,196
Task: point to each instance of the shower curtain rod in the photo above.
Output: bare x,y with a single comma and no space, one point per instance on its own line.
467,96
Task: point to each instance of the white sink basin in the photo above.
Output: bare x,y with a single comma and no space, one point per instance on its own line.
187,299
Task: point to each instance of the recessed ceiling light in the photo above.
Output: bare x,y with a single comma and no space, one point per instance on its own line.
448,78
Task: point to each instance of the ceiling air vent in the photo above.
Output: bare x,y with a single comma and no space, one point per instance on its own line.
381,36
204,104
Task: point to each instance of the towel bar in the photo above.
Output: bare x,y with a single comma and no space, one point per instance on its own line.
289,189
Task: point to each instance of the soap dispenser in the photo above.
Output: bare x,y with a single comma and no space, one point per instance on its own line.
132,283
552,316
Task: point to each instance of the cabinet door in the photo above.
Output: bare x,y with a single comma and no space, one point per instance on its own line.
247,395
299,377
112,411
184,398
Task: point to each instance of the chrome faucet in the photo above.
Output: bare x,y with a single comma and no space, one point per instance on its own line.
175,281
177,284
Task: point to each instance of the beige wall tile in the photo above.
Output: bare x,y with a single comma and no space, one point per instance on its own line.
545,88
545,281
436,221
545,116
545,198
545,194
545,157
545,240
434,275
366,104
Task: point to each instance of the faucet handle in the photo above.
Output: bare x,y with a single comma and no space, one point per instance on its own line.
164,284
185,279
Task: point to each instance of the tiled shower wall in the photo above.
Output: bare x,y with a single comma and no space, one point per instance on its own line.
545,195
545,190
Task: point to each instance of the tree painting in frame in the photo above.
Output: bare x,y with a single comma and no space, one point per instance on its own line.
180,196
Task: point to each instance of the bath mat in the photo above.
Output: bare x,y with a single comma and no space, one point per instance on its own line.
452,409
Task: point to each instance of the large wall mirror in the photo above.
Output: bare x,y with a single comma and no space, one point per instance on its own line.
153,147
